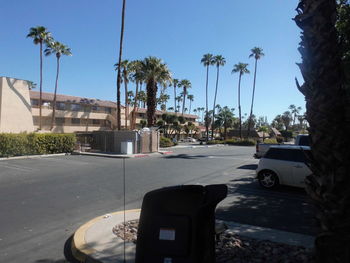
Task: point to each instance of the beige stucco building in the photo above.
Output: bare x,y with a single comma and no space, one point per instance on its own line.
19,111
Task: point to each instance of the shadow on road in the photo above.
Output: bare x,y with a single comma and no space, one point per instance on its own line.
185,156
248,167
286,208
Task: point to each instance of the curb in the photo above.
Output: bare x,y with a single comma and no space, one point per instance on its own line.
80,250
33,156
84,253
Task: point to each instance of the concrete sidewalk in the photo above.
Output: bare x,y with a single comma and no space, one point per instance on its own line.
115,155
95,241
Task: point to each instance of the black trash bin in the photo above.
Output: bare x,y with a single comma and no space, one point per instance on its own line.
177,224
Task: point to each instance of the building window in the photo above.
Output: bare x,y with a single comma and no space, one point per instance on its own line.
97,109
46,103
59,121
75,121
108,110
87,109
60,105
96,122
75,107
34,102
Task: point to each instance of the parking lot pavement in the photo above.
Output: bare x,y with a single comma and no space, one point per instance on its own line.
286,208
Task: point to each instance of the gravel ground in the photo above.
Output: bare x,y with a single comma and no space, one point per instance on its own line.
232,248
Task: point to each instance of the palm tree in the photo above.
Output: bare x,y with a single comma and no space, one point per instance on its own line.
155,73
242,68
119,125
327,105
185,84
295,111
175,85
59,49
178,99
207,61
218,61
257,53
142,97
225,118
40,36
135,70
125,71
190,98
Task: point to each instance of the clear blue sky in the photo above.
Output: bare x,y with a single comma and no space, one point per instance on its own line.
179,32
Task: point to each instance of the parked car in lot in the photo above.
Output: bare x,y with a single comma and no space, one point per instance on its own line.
262,148
189,139
285,165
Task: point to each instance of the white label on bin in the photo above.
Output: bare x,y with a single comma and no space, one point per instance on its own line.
167,234
168,260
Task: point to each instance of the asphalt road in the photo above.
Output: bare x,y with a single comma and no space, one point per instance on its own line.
43,201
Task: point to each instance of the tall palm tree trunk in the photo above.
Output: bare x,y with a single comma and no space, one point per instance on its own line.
216,91
189,112
328,113
126,101
206,106
251,107
119,126
134,113
239,105
184,100
174,97
151,102
55,94
41,85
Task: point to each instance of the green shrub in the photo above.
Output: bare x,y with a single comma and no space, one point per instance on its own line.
34,143
279,139
165,142
271,141
215,142
244,142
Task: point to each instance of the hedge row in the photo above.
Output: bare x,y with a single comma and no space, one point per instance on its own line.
245,142
34,143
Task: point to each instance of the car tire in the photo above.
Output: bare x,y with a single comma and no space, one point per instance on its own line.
268,179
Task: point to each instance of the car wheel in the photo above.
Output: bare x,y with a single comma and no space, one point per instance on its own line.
268,179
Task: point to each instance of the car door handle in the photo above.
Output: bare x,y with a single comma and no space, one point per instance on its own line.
298,166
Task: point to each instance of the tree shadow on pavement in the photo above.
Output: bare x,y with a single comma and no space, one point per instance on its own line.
185,156
286,208
248,167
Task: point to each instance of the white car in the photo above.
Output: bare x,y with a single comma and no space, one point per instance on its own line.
285,165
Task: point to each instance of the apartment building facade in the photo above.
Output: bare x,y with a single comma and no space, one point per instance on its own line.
19,111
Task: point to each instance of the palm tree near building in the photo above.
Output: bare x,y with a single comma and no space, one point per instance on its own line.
59,49
178,99
137,77
185,84
287,118
142,97
225,118
190,97
155,73
31,85
217,61
327,106
119,77
170,108
242,68
295,111
207,60
256,53
175,83
40,36
125,71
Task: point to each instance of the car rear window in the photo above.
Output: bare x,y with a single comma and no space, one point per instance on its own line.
294,155
304,140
